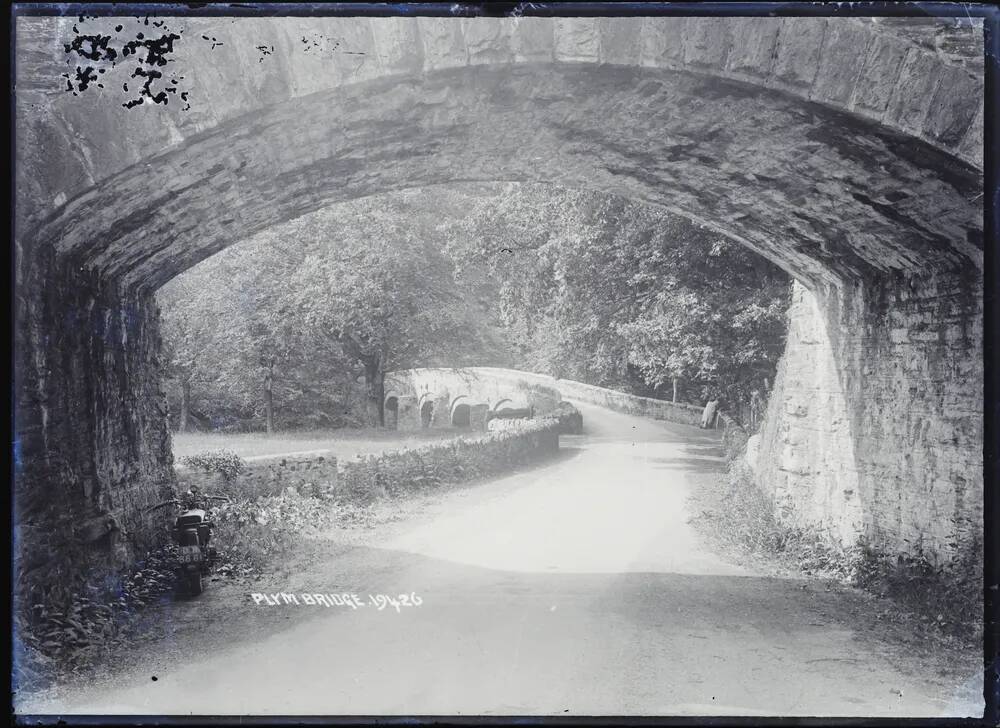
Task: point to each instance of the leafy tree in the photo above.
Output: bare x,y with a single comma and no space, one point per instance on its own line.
387,295
188,335
353,290
617,293
585,286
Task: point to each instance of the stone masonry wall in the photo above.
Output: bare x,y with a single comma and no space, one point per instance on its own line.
459,460
896,73
363,479
92,449
875,428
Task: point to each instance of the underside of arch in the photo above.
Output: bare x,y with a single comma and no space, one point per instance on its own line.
825,195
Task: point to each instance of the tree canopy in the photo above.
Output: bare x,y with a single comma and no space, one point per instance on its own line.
299,324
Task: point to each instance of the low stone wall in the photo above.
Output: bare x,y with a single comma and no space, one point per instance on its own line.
398,472
630,404
391,473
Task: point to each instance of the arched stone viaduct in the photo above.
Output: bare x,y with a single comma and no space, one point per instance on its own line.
847,151
438,391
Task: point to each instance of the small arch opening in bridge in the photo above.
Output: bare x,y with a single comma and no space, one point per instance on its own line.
461,416
426,414
392,412
502,404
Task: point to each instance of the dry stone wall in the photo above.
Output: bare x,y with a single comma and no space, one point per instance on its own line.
460,460
393,473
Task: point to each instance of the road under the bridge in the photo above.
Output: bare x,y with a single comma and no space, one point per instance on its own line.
578,588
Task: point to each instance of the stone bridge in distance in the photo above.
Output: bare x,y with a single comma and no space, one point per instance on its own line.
847,151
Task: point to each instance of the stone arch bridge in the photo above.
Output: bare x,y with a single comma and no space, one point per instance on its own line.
439,391
848,151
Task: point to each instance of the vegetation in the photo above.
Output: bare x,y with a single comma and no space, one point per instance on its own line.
616,293
279,331
229,464
297,327
931,599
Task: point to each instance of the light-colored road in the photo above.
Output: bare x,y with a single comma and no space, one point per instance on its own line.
578,588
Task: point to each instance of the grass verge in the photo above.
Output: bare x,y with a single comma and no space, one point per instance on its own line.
934,600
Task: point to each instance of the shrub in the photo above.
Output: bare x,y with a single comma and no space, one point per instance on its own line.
69,632
945,596
229,464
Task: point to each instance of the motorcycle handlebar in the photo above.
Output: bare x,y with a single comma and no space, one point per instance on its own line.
177,502
172,501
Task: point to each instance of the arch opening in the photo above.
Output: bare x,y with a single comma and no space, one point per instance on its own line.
426,414
392,412
461,416
855,209
461,412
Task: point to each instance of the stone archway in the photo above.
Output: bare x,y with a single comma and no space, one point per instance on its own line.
866,186
461,415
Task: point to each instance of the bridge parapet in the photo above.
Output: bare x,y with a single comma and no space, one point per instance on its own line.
516,388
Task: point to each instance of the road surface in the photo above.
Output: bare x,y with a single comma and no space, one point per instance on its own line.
578,588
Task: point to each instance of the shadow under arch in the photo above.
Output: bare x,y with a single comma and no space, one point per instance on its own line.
751,163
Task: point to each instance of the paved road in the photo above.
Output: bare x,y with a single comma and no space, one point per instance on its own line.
577,588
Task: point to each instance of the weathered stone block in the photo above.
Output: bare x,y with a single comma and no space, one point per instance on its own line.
879,74
397,44
620,40
577,40
532,39
798,48
443,43
751,50
908,104
707,43
971,147
662,41
487,40
954,105
845,47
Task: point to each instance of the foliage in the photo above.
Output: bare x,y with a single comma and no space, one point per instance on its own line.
254,531
307,308
387,295
943,598
216,461
616,293
98,614
579,285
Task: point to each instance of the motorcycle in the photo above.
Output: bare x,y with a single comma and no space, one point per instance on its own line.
192,531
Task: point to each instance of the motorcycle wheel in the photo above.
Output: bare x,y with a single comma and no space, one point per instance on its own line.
194,583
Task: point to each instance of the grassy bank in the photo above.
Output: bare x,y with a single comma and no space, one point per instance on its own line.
343,443
933,601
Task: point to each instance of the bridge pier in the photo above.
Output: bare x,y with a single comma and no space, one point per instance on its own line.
875,427
92,448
